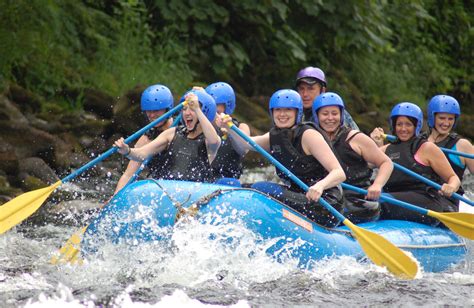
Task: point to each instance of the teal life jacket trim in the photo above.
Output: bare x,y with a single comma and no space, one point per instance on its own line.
456,158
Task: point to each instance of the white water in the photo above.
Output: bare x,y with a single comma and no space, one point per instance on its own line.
192,271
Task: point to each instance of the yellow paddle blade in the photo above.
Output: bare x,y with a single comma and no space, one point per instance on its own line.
384,253
15,211
460,223
70,251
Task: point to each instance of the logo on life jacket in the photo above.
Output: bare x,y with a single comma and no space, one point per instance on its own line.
395,155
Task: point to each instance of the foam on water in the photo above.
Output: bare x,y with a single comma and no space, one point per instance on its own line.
206,265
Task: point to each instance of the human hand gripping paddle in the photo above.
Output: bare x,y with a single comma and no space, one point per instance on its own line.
426,180
460,223
15,211
378,249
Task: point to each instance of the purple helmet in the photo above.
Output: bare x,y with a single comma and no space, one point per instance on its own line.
311,75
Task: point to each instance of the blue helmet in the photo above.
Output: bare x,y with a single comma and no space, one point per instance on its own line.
287,98
223,94
156,97
408,110
443,104
327,99
208,105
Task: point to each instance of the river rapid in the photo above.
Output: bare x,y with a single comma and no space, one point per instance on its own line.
196,272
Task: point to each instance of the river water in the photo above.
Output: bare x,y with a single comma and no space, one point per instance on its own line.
196,272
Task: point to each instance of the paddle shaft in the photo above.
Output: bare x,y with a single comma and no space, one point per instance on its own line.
392,138
430,182
131,138
285,170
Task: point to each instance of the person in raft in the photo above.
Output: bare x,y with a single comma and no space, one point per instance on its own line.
414,152
228,163
189,149
304,151
155,101
443,115
356,152
310,83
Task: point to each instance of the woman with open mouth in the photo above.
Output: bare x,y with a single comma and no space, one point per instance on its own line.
189,148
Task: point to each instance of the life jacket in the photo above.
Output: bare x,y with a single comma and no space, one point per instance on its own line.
356,168
308,115
450,143
286,147
403,153
157,162
228,163
186,159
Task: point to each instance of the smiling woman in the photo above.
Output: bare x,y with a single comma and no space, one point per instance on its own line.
355,151
443,114
414,152
188,150
304,151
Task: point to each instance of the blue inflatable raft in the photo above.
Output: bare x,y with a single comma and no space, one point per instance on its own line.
141,210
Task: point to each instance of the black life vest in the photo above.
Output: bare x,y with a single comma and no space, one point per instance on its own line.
403,153
356,168
228,163
158,160
308,115
286,147
449,143
186,159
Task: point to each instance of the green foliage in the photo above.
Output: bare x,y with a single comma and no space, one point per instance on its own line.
55,46
375,53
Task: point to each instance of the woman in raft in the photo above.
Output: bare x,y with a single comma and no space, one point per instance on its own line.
189,149
443,115
304,151
414,152
357,153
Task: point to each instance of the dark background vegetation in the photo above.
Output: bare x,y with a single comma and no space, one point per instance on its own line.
72,72
375,53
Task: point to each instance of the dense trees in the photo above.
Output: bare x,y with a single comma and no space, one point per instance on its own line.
374,52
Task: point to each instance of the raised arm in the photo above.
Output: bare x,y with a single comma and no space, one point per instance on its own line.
213,141
236,145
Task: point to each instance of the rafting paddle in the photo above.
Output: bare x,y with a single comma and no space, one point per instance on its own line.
15,211
430,182
69,252
392,138
460,223
377,248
